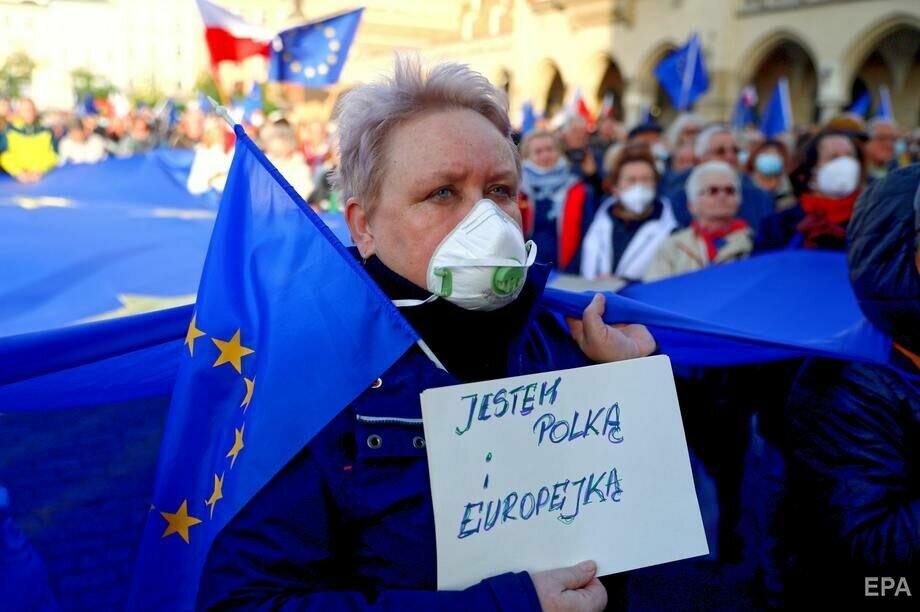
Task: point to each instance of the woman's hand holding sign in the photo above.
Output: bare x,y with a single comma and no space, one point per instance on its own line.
570,589
606,343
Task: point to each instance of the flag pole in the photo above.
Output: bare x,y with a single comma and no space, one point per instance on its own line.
689,71
222,112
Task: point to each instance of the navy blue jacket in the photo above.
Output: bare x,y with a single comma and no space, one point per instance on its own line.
348,524
854,429
755,202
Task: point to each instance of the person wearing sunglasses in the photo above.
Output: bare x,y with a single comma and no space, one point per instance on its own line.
717,142
827,184
716,235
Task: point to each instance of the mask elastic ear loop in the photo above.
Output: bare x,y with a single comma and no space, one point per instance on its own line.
411,303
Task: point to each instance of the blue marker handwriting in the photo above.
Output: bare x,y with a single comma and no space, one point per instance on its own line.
566,499
519,400
604,421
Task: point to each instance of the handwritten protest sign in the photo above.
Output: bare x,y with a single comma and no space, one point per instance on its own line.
546,470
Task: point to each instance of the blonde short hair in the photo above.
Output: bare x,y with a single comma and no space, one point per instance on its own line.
368,113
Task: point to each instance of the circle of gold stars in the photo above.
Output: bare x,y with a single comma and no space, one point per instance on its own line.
232,352
321,69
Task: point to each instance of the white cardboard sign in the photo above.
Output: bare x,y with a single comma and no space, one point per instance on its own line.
547,470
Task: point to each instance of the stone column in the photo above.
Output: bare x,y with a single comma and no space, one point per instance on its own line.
833,96
636,97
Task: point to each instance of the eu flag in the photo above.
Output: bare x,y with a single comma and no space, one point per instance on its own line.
861,105
247,106
528,118
288,329
884,104
743,114
683,74
314,54
777,116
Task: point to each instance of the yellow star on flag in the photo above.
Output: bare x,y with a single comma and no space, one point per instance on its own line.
237,445
179,522
192,333
250,385
232,352
217,494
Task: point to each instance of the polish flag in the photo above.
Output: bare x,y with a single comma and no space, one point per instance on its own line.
229,37
581,108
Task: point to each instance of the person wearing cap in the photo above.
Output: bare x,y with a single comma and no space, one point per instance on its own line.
853,429
429,176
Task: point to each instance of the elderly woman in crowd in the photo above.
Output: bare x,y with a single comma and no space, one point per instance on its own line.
632,223
429,176
716,234
827,182
556,205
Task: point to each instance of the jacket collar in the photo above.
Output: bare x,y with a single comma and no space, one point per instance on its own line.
472,345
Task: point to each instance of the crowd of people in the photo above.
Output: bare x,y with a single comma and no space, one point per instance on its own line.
598,201
31,145
648,203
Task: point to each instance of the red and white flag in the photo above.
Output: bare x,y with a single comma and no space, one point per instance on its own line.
579,107
229,37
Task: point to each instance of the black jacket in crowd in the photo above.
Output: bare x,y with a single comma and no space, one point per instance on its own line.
854,429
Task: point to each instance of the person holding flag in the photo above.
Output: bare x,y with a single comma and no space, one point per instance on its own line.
343,517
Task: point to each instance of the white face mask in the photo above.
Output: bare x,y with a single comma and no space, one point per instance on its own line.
838,177
637,198
482,263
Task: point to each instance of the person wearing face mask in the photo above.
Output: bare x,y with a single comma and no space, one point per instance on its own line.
767,166
827,183
429,176
716,234
631,223
556,205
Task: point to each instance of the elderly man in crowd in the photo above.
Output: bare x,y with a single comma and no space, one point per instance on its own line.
880,153
717,143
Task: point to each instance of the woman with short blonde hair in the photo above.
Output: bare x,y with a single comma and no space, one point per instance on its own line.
430,176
